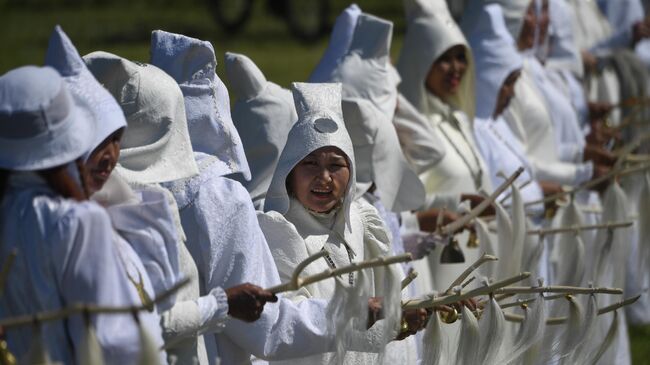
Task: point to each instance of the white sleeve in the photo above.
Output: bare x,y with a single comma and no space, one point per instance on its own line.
192,318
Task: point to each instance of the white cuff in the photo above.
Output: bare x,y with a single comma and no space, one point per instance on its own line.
214,309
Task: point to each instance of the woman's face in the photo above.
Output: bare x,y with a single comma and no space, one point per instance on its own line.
526,38
447,72
102,161
319,181
506,93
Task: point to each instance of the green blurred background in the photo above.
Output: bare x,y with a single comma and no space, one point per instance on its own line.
124,27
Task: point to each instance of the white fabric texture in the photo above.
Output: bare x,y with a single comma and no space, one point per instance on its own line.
563,48
365,71
41,124
192,63
263,114
230,250
63,56
514,12
421,143
568,134
529,119
430,32
379,158
494,52
503,153
339,42
156,145
68,253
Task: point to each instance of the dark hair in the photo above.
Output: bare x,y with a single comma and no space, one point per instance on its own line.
4,179
61,182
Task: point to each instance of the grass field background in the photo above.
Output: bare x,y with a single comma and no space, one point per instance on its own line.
124,27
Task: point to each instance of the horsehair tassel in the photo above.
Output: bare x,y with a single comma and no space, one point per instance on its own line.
492,329
331,273
469,339
462,221
79,308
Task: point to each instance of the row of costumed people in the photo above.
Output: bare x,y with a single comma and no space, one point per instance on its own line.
364,161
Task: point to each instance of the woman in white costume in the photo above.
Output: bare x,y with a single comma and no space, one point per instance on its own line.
224,235
66,245
148,97
263,115
528,115
500,67
434,39
311,207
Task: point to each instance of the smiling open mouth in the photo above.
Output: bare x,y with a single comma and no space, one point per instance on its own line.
322,192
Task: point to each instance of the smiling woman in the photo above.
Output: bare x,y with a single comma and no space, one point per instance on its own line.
320,180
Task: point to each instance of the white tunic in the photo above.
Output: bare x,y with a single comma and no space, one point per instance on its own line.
68,253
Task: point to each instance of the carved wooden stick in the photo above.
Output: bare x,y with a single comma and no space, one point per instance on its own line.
462,221
409,278
561,320
480,261
547,231
80,308
355,266
557,289
591,183
453,298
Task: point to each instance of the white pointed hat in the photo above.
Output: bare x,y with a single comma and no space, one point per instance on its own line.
192,63
338,45
430,32
320,124
365,71
563,52
514,12
495,54
41,124
156,145
379,157
263,114
63,56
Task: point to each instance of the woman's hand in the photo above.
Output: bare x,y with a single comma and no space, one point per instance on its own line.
246,301
413,320
475,200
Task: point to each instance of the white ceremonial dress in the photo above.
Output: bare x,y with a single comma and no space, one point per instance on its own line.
68,253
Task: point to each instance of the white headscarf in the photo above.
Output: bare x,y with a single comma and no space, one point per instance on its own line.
339,42
263,114
320,124
365,71
192,63
514,12
430,32
379,157
64,57
495,54
156,146
563,52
